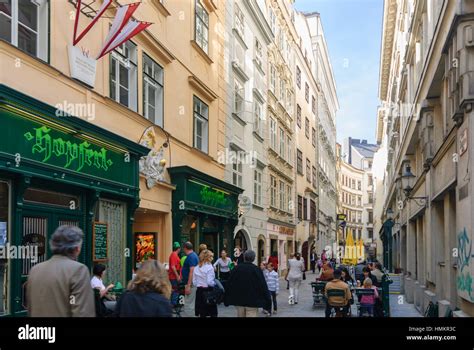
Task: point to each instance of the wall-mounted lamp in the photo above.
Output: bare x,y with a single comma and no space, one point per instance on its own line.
406,183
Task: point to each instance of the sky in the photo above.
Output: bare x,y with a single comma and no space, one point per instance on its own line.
353,31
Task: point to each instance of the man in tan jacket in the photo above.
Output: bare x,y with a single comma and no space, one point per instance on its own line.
60,287
337,301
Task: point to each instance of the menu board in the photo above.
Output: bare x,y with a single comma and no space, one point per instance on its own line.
99,241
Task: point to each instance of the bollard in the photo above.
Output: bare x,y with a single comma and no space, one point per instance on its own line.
386,282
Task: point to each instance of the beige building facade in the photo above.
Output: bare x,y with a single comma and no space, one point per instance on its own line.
426,124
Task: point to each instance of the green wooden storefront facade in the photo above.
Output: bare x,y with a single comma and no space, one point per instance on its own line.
205,209
66,154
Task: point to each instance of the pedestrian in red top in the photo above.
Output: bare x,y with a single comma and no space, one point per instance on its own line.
174,272
273,259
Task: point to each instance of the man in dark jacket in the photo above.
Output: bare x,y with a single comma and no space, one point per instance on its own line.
246,288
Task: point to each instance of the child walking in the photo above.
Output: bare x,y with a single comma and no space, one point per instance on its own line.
273,286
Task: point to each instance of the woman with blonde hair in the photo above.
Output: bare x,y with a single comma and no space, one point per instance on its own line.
204,280
148,294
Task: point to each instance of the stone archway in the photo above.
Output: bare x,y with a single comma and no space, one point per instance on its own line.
242,239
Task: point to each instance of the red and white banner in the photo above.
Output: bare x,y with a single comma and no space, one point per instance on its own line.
121,19
99,14
131,29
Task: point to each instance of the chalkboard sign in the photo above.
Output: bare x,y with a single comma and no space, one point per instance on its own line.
99,240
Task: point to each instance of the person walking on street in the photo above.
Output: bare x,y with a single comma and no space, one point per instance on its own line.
246,288
313,257
148,294
295,276
174,271
187,275
273,258
222,266
204,279
238,256
53,284
273,284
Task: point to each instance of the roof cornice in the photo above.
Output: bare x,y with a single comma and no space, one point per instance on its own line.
388,33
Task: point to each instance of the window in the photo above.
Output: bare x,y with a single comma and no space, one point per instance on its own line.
258,119
299,162
370,233
300,207
152,91
282,91
312,211
298,77
24,24
313,104
371,217
237,171
289,198
273,133
353,184
273,192
239,22
298,116
315,177
308,170
239,98
201,124
371,198
272,79
370,180
258,52
290,150
271,16
306,92
305,208
282,196
123,75
313,137
306,127
201,35
257,187
282,143
359,185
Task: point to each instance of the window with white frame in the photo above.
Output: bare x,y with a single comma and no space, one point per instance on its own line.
282,143
282,91
313,137
257,186
239,98
290,150
298,77
282,196
298,115
272,79
258,52
239,22
306,127
201,124
237,171
273,133
123,75
289,194
289,100
273,191
308,170
152,91
201,35
272,20
258,117
299,161
24,24
306,92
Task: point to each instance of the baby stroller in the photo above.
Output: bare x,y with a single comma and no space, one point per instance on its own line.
177,299
318,293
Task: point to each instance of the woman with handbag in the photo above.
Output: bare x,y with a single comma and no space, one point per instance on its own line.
204,280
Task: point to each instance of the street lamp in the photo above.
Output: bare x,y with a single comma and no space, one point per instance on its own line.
389,214
407,182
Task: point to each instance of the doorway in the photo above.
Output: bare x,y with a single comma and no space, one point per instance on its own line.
44,211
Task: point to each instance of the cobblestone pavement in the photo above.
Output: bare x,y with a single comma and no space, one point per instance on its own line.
400,308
